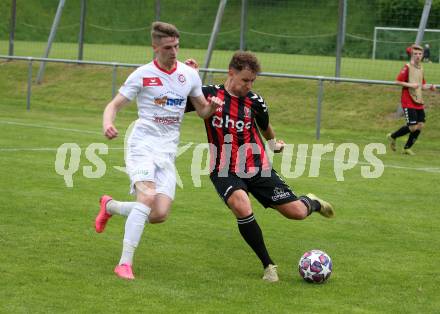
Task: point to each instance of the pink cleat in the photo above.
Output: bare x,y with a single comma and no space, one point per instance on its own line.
103,216
124,271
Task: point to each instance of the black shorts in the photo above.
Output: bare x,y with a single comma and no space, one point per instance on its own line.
267,190
414,116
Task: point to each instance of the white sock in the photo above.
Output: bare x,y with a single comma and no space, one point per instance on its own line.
119,208
134,226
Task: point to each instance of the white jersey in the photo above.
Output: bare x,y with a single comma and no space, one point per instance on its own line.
161,99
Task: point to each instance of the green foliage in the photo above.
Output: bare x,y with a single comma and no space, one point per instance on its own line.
273,26
406,13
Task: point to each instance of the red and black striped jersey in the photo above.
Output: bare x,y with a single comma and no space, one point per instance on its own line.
235,141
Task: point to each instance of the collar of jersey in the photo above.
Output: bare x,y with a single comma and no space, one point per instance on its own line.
226,91
163,70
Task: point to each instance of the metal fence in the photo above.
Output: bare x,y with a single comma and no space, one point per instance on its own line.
331,38
320,79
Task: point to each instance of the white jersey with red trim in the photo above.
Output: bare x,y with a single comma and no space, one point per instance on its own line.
161,99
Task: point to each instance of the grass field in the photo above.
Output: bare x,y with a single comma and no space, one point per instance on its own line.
383,241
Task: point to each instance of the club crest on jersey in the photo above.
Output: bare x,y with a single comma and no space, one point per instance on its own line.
247,112
151,81
181,78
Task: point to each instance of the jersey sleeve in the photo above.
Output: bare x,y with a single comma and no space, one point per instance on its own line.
261,112
403,74
132,85
189,106
196,89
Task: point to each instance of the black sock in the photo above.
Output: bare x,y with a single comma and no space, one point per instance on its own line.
251,233
401,132
312,205
412,139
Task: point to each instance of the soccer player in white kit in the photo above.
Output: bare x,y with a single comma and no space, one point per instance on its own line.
161,88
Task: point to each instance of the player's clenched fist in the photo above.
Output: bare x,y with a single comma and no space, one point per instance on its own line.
277,146
192,63
110,131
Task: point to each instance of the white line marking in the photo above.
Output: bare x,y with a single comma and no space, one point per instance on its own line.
49,127
425,169
50,149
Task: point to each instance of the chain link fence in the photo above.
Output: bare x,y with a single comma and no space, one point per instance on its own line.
289,36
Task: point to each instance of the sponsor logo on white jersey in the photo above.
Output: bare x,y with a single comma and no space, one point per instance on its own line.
151,81
167,120
165,101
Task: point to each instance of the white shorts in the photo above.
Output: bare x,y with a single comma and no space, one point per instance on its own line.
145,164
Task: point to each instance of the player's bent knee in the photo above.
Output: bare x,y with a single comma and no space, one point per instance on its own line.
158,215
413,128
294,210
242,212
147,201
240,204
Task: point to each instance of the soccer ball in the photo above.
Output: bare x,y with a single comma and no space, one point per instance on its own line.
315,266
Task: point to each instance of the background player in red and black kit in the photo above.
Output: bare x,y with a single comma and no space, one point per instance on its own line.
412,80
239,161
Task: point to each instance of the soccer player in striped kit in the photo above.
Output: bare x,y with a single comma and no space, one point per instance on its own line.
239,161
412,80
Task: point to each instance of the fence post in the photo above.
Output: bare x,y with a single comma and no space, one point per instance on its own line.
157,10
373,54
423,21
82,26
214,33
29,85
318,113
12,27
243,24
340,36
114,78
51,38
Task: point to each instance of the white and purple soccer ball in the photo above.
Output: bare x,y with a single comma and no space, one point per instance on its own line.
315,266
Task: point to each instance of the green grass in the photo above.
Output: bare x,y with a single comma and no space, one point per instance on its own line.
383,240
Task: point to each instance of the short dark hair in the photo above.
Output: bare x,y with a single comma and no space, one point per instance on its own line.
161,30
242,60
416,47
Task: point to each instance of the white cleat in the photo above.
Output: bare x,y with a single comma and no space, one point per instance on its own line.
270,273
391,142
326,208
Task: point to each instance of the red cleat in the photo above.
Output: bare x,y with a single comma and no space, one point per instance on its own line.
103,216
124,271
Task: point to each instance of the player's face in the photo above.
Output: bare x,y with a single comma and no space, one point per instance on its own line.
240,82
417,55
166,51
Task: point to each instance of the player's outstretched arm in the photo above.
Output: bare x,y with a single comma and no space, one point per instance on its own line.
109,115
205,108
429,86
275,145
409,85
